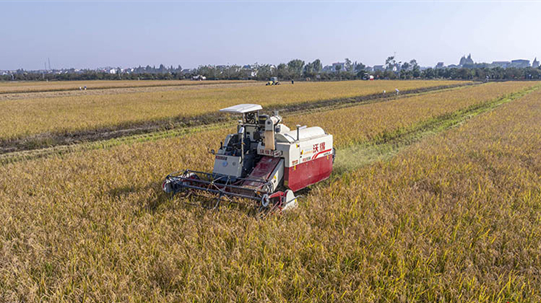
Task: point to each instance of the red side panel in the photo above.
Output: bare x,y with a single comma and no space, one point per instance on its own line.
262,170
305,174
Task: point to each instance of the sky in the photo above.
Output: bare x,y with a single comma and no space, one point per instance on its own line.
126,34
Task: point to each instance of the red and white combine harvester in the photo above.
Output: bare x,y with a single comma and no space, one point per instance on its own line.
263,161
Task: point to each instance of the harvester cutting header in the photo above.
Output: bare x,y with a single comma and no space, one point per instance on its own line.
263,161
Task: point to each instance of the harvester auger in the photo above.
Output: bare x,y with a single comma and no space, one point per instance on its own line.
264,161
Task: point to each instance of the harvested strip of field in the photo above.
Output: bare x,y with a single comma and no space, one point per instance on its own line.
122,90
23,118
33,86
454,218
96,224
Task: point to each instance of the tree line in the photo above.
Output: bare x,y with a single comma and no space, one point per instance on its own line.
293,70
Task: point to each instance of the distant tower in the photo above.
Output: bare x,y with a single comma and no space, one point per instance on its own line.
535,63
469,60
462,61
49,59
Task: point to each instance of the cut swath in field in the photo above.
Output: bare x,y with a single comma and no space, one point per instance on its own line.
119,90
55,86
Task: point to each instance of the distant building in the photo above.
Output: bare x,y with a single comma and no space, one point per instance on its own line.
440,65
535,63
453,66
520,63
379,68
466,61
339,66
502,64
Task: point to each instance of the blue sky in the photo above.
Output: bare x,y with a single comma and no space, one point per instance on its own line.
96,34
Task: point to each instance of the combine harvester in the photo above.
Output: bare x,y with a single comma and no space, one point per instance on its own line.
264,161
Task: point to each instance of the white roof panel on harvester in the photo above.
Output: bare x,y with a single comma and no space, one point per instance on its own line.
241,108
304,134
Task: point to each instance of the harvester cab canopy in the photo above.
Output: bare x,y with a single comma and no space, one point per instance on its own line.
263,160
249,112
242,109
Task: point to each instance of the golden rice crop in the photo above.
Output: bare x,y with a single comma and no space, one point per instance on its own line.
20,118
32,86
95,225
356,124
455,218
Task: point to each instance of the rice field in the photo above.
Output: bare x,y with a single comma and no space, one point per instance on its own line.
452,217
358,124
23,118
